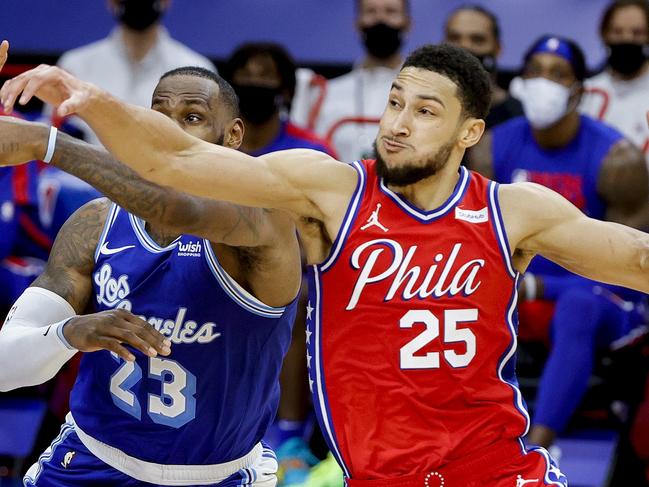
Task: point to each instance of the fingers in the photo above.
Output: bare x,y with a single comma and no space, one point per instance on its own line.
115,346
112,330
11,89
30,88
132,338
149,334
71,105
4,53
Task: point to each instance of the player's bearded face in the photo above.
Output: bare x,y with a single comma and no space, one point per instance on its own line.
412,172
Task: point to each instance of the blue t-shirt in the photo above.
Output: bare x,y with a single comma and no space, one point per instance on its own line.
572,171
293,137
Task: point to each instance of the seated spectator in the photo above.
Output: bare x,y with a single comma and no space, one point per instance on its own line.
476,29
263,76
601,173
619,95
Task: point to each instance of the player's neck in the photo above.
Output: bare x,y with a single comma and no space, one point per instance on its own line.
392,62
259,136
630,77
432,192
159,235
560,134
139,43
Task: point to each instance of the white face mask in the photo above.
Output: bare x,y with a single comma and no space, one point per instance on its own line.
544,102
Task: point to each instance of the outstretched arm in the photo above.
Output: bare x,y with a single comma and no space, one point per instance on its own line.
217,221
540,221
307,183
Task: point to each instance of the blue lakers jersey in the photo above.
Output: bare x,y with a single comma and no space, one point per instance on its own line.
211,400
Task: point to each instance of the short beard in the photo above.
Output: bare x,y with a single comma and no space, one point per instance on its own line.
411,174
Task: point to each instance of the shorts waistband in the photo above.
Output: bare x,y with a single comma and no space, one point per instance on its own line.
155,473
471,468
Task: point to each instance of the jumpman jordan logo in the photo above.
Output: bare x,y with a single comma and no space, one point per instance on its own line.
373,220
520,481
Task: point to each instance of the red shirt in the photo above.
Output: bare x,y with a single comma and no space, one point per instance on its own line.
411,336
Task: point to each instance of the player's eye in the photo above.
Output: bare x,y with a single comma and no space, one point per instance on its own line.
193,118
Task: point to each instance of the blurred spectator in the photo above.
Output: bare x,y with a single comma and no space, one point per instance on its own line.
476,29
602,174
129,62
359,96
263,76
619,95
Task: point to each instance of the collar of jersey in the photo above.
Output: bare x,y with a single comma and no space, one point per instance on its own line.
458,193
139,227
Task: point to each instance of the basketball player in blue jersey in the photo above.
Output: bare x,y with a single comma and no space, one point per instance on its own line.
189,333
600,172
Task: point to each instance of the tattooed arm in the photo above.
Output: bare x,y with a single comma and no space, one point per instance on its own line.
217,221
43,329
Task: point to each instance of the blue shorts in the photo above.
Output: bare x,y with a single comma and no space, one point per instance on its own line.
68,463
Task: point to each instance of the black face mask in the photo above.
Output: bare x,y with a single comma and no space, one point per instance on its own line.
626,58
381,40
488,62
257,103
139,14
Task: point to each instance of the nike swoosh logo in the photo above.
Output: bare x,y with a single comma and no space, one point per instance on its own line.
104,250
47,331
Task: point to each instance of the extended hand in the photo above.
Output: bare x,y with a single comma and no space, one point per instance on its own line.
109,330
49,83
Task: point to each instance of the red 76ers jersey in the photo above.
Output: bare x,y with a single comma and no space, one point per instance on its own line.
411,331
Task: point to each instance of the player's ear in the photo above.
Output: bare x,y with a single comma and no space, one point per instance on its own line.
470,132
234,132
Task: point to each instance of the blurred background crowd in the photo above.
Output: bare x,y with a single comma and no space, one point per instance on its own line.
569,100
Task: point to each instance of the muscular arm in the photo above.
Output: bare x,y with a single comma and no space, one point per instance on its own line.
217,221
69,268
624,184
539,221
29,355
307,183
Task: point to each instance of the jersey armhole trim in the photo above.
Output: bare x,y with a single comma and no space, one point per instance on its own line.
238,294
499,229
348,219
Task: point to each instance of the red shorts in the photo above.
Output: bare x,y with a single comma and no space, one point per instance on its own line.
506,465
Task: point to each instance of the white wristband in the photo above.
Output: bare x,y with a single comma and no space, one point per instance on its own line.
51,145
530,287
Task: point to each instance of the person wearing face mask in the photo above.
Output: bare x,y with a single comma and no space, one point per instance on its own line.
348,113
130,60
600,172
476,29
618,95
263,76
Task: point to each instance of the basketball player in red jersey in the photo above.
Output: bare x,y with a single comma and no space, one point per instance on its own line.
415,262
